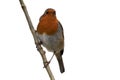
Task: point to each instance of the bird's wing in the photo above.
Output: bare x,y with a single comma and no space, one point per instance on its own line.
60,27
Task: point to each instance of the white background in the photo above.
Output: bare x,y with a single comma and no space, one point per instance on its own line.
92,40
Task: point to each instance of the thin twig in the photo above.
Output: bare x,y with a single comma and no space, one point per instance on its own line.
39,48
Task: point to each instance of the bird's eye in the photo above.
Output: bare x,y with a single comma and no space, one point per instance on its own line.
47,12
54,13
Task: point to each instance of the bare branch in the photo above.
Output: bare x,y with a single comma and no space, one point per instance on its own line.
39,48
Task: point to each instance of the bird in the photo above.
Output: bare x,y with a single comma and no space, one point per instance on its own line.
51,35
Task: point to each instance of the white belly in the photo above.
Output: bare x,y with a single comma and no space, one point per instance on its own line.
52,43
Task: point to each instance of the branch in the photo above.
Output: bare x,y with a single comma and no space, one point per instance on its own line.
39,48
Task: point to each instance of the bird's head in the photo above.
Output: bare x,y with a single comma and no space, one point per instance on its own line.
50,12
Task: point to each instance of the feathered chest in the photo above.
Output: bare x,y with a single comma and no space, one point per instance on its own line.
48,25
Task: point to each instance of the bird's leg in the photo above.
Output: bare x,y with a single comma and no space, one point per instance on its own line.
51,58
47,63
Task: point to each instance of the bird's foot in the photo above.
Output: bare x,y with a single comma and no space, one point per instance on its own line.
37,44
46,64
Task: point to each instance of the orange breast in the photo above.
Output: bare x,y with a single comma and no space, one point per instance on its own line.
48,24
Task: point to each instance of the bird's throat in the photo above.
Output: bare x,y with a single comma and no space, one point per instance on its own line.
47,25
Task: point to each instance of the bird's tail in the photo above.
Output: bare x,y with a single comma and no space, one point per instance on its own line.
61,64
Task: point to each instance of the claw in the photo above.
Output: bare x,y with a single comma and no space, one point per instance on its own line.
38,43
46,64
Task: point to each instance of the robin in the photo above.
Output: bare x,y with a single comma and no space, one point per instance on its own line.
50,33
